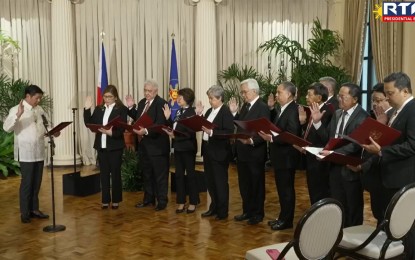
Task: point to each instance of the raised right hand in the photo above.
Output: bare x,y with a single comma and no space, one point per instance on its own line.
129,100
88,102
316,115
271,101
199,108
20,109
167,111
233,105
302,115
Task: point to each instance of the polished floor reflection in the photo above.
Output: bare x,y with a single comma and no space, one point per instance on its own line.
131,233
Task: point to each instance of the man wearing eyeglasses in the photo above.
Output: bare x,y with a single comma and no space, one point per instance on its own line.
153,147
345,185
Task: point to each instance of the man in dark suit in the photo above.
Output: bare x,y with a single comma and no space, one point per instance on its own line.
153,147
382,111
345,185
316,171
396,163
330,83
284,156
251,155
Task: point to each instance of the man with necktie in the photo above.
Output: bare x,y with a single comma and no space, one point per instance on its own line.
395,163
316,171
153,147
345,185
284,156
251,154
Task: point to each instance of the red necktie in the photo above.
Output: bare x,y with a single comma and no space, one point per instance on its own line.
307,131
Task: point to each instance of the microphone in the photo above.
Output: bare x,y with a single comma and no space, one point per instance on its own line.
45,121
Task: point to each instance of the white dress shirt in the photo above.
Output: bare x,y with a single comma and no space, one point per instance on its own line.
107,113
210,118
29,131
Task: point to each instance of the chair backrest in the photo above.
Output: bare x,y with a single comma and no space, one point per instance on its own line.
400,213
319,230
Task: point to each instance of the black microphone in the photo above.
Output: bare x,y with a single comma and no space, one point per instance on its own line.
45,121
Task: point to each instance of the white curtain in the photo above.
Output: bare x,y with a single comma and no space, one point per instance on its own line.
244,24
28,22
138,38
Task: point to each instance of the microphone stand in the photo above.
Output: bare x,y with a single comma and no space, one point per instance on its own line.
52,228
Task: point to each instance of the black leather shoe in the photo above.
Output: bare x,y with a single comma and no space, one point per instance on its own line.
273,222
25,218
115,205
160,207
38,214
241,217
221,217
143,204
208,213
254,220
104,206
178,211
281,225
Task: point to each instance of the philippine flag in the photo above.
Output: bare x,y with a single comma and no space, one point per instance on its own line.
102,75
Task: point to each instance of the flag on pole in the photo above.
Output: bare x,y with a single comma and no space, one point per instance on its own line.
174,82
102,75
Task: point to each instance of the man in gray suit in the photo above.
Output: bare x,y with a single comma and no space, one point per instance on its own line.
345,185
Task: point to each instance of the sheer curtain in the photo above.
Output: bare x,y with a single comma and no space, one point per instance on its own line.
387,45
138,38
354,32
244,24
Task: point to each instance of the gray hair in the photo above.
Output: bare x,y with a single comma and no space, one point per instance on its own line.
216,91
332,82
252,84
290,87
152,83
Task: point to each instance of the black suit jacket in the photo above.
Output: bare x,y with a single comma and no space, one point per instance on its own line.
219,148
153,143
185,143
397,163
285,156
116,141
355,119
258,151
313,136
334,101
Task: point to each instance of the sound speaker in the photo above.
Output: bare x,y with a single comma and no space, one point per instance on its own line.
77,185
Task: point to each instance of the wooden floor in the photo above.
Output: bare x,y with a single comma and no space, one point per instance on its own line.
131,233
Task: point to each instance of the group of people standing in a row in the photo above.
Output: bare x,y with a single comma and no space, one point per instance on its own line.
385,170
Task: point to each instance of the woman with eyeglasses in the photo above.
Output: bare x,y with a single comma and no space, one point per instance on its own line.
109,143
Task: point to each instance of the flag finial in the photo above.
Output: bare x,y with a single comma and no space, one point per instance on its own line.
102,34
172,35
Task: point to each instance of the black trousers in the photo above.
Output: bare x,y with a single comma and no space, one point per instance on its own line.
216,174
348,193
251,179
317,179
110,167
284,180
32,173
185,163
155,177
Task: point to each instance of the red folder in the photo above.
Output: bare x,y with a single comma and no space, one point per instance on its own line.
381,134
293,139
58,128
196,122
342,159
234,136
335,143
94,127
258,125
144,121
159,129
